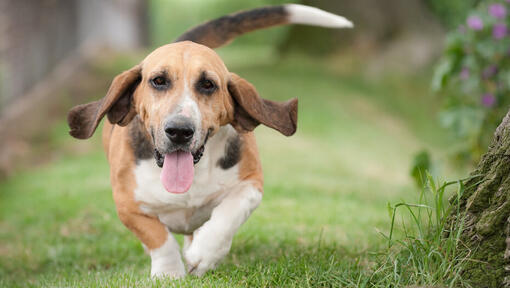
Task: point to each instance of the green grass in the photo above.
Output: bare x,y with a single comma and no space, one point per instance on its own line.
324,207
427,253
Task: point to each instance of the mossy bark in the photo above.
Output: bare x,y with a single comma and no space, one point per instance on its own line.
486,207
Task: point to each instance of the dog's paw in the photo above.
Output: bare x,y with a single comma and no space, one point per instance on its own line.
164,269
199,261
168,274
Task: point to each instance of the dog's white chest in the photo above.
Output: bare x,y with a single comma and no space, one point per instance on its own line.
183,213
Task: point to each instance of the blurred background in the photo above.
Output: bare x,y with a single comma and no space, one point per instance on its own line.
53,52
416,85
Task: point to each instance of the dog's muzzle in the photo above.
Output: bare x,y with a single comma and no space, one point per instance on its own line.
197,155
160,159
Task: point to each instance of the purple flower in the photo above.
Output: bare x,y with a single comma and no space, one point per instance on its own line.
464,73
499,31
497,11
475,23
489,72
488,100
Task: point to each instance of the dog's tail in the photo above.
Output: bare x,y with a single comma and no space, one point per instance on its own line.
218,32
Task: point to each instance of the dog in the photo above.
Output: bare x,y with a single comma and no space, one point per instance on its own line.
179,141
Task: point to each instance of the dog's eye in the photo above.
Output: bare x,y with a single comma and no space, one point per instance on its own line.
206,86
160,82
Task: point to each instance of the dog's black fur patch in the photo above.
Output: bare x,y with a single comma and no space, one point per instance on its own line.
139,140
232,153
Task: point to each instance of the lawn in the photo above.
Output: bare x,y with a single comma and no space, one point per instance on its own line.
326,189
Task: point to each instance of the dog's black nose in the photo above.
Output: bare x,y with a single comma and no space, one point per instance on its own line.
179,132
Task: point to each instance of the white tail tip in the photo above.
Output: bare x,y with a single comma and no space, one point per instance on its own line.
302,14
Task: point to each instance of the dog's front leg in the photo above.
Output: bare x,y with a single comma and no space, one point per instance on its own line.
161,245
166,260
212,241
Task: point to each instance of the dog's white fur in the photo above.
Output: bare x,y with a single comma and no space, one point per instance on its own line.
189,108
301,14
166,260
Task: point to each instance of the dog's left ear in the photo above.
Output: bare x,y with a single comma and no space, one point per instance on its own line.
250,110
117,105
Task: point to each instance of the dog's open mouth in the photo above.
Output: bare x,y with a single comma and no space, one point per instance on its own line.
160,158
197,155
178,168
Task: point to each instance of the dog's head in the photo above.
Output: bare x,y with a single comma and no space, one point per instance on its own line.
183,93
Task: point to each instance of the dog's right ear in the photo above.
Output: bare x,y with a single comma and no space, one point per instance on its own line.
117,104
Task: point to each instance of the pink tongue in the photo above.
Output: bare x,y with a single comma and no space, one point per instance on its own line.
177,173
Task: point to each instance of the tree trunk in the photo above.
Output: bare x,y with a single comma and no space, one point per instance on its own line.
486,203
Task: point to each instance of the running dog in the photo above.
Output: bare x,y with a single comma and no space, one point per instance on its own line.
179,141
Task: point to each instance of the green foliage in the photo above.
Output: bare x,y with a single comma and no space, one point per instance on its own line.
474,76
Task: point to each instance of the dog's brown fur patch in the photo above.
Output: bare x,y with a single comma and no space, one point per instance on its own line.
122,163
249,167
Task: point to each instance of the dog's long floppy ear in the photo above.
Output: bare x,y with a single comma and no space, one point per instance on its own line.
83,119
250,110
